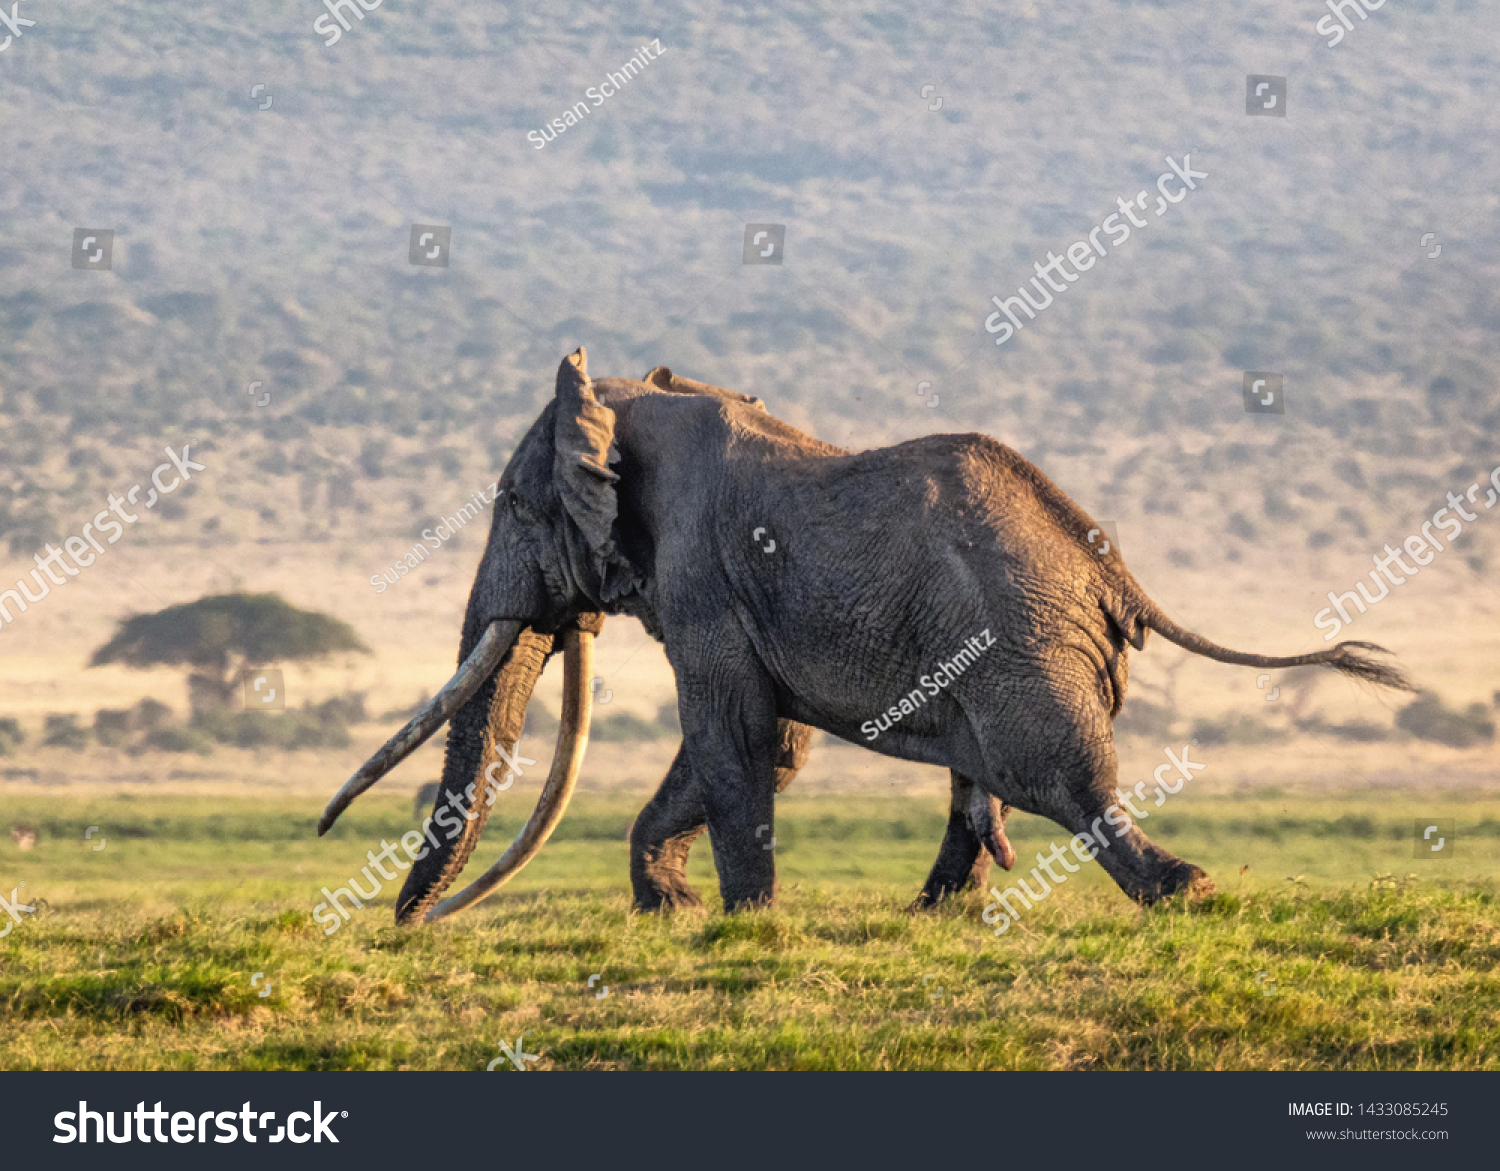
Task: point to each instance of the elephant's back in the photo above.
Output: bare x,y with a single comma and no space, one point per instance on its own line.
966,508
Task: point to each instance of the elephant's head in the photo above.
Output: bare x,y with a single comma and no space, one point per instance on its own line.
549,569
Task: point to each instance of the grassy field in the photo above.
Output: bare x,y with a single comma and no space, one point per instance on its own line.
144,954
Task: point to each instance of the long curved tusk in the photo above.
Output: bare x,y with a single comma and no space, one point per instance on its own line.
470,676
567,760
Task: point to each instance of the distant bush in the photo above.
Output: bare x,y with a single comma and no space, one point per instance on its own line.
173,738
149,726
1427,718
149,713
1140,717
625,727
112,727
606,727
348,708
11,734
426,795
64,731
306,728
115,727
1357,732
542,723
1236,730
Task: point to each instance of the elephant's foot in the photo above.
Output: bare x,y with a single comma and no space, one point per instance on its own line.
1183,877
756,901
1142,869
747,877
938,887
676,897
658,874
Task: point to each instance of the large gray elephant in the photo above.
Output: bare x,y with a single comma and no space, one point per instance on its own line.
941,594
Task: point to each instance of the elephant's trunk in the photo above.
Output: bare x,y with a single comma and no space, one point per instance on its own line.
473,674
480,760
567,761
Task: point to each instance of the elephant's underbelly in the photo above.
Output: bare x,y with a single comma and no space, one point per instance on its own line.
926,723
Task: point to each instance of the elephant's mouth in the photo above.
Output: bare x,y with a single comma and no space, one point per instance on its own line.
486,703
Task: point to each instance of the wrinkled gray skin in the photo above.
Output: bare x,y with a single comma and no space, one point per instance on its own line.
641,498
676,816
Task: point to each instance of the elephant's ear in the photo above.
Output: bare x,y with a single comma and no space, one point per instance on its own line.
584,448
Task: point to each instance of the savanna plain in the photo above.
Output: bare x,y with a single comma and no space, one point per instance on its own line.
187,941
342,402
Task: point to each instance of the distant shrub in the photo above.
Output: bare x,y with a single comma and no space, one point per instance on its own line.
542,723
64,731
306,728
1236,730
372,453
1427,718
1357,732
1140,717
426,795
625,726
348,708
112,726
178,739
11,734
149,713
129,728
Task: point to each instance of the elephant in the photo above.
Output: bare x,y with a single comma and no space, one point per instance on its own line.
793,585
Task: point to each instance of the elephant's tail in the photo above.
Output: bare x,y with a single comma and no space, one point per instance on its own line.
1144,614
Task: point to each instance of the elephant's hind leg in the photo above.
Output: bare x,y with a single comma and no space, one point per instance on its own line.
1067,770
666,829
974,834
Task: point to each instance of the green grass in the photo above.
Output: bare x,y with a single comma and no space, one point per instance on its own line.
142,955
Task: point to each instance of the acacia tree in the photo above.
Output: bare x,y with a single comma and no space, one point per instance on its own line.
217,637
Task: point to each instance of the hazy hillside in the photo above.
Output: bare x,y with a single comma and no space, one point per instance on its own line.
271,246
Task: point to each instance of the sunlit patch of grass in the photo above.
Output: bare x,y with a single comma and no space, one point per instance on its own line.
131,966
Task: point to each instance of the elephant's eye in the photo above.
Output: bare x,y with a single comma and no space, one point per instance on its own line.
519,507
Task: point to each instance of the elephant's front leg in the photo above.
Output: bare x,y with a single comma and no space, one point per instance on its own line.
661,838
674,818
729,733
